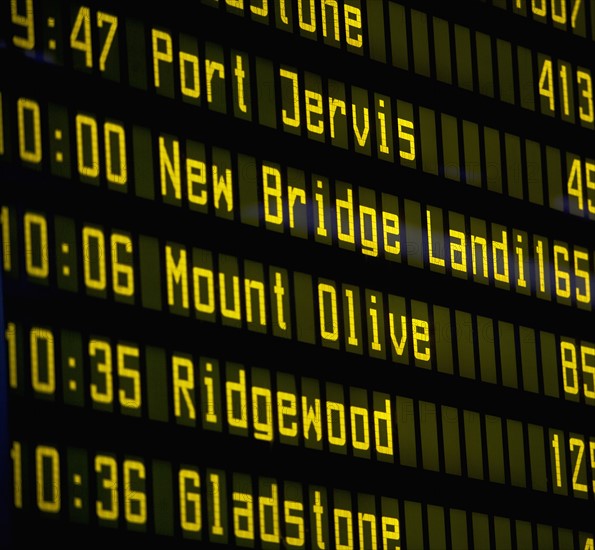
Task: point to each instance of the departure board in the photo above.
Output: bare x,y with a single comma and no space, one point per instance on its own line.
309,274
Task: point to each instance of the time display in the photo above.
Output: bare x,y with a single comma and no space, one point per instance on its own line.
298,273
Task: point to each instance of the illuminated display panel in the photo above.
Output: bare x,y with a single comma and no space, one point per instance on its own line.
298,273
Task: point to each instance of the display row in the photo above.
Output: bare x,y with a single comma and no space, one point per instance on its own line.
101,148
558,88
203,502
